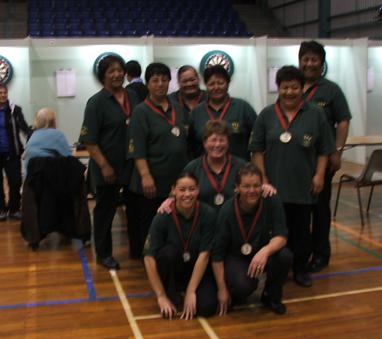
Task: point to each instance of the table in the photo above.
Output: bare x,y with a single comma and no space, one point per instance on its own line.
363,140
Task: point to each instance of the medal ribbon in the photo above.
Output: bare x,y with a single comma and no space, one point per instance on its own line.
158,111
215,185
175,218
240,220
281,118
180,99
126,106
311,93
222,114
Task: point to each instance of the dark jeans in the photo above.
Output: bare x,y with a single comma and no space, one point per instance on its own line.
12,168
322,218
299,239
175,275
241,286
140,212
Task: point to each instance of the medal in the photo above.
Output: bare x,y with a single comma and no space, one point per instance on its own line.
285,137
219,199
246,249
175,131
186,256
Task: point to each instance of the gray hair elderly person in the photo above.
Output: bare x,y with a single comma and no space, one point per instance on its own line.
46,140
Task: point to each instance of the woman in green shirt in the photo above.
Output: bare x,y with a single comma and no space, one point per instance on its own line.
176,253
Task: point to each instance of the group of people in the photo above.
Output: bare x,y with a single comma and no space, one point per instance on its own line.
216,195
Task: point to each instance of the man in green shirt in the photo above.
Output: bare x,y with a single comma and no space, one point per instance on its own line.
329,97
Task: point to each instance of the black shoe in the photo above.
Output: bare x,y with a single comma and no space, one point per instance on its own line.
317,264
109,262
15,215
275,306
302,279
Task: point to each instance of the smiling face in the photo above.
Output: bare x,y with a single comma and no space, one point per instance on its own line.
290,94
216,146
311,65
114,76
189,83
217,88
158,86
249,190
186,193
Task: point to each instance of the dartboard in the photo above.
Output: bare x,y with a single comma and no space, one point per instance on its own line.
102,56
5,70
217,58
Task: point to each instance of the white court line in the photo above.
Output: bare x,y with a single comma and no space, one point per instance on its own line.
126,305
210,332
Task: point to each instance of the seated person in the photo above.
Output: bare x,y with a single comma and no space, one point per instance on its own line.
46,140
176,253
250,239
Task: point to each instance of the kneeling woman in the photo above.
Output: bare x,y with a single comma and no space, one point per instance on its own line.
176,253
250,239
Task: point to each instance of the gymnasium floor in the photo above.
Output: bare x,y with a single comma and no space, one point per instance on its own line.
60,292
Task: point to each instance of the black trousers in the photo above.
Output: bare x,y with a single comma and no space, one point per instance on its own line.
103,213
12,168
175,275
299,240
241,286
322,218
140,212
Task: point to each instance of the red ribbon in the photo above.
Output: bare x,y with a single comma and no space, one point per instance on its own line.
311,93
222,114
180,98
253,224
158,111
281,118
215,185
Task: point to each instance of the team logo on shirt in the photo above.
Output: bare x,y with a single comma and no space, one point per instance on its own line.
307,140
321,104
217,58
235,127
84,131
101,57
131,146
147,242
6,70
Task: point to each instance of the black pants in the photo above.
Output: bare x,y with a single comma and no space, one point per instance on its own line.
140,212
104,211
299,239
175,275
241,286
12,168
322,217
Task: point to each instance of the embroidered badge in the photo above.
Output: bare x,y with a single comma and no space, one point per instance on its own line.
307,141
131,146
84,131
235,127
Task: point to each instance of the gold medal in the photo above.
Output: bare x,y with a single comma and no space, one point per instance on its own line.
285,137
186,256
175,131
246,249
219,199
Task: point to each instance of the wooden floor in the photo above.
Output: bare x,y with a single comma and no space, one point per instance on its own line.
60,292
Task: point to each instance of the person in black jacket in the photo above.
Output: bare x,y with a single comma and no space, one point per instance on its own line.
12,122
133,74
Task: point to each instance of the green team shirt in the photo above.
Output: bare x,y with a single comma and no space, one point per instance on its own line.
175,97
206,191
290,167
331,99
151,139
105,124
163,231
240,118
228,238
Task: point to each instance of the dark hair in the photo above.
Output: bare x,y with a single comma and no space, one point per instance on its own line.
133,69
312,47
186,174
106,62
215,127
248,169
289,73
186,68
157,68
216,70
4,86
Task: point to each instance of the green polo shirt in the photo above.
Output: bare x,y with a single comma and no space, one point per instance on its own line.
163,232
290,167
105,124
151,139
228,238
331,99
240,118
206,191
175,97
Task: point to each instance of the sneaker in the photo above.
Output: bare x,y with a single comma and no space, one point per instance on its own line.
15,215
3,216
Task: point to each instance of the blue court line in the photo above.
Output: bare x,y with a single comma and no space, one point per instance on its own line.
87,274
354,272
